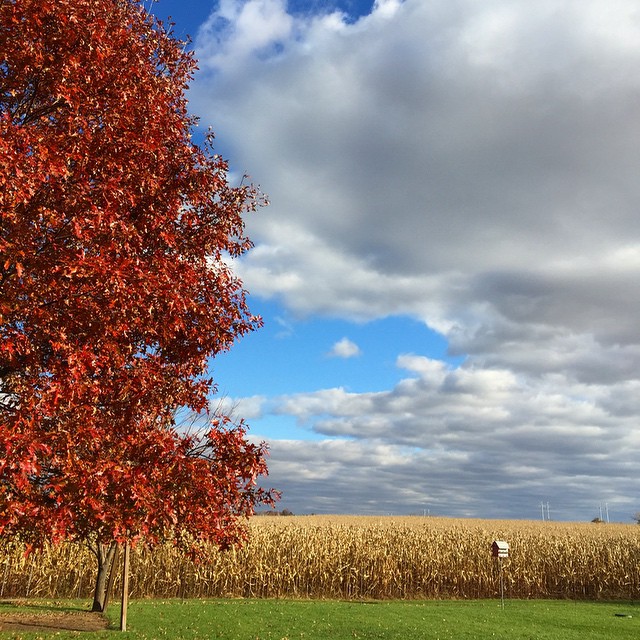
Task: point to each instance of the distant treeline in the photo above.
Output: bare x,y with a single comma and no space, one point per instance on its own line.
274,512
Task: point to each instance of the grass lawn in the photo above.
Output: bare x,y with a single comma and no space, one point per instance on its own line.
327,620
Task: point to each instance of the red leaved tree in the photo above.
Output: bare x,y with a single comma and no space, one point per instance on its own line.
114,290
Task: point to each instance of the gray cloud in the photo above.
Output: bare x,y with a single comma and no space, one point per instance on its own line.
466,432
473,165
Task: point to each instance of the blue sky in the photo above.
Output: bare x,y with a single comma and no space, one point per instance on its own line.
449,268
288,356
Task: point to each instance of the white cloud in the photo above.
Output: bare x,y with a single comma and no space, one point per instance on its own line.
345,348
238,30
474,165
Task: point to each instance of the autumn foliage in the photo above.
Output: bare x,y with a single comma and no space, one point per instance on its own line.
114,285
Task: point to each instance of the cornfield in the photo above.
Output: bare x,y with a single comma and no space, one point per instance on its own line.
358,557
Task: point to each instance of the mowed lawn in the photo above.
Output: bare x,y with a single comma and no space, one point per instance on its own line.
388,620
397,620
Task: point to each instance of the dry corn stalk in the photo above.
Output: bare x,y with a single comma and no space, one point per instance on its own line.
358,557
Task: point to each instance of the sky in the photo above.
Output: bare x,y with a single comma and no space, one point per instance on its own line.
449,267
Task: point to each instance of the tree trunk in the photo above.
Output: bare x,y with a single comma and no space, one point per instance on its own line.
105,554
112,577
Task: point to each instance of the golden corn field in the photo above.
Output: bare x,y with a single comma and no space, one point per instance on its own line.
362,557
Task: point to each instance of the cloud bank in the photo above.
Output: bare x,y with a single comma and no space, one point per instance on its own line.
473,165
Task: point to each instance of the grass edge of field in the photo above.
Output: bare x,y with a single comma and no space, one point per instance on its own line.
239,619
271,619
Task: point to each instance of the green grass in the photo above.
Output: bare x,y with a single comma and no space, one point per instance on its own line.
333,620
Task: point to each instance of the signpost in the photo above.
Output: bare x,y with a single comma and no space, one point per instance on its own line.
500,550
